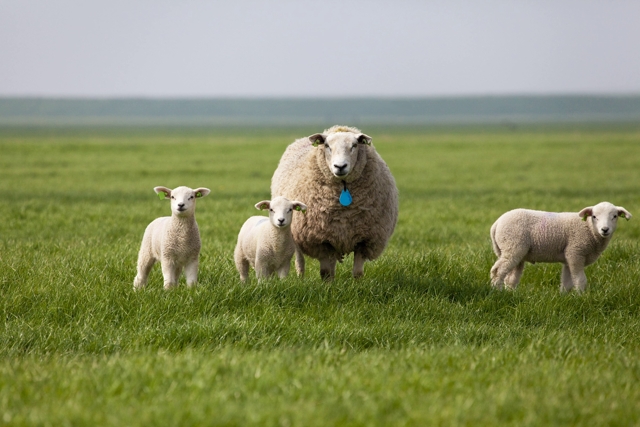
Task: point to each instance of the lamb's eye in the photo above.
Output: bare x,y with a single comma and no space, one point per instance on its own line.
290,210
173,198
594,217
270,210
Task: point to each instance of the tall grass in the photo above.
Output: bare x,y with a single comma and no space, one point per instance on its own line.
422,339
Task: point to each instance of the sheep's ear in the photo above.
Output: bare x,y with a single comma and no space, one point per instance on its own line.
586,212
622,212
299,206
317,138
364,139
202,192
162,192
265,204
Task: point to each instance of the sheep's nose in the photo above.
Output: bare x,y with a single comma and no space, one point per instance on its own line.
605,229
181,205
340,167
281,221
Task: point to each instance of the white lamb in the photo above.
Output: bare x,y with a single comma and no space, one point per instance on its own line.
173,240
266,243
574,239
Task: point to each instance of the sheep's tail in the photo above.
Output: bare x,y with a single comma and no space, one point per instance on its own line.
496,248
299,262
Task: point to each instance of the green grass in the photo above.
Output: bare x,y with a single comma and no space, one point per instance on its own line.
422,339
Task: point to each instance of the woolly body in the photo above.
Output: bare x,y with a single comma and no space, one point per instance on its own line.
574,239
313,175
174,240
266,243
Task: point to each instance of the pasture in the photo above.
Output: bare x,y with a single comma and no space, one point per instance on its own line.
422,339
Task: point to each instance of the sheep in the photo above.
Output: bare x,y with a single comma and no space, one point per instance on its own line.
353,194
266,243
575,240
173,240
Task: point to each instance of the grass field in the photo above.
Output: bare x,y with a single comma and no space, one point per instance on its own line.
422,339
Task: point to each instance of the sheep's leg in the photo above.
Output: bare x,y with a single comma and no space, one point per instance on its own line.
191,272
145,263
501,268
170,274
513,278
299,262
328,268
567,283
358,264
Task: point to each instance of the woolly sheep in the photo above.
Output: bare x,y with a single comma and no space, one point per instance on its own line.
353,194
266,243
173,240
575,240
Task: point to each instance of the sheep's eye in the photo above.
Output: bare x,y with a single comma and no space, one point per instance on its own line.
270,210
354,146
173,198
190,197
594,217
615,216
290,210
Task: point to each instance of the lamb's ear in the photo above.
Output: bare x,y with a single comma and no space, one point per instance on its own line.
364,139
299,206
162,192
586,212
317,138
622,212
265,204
202,192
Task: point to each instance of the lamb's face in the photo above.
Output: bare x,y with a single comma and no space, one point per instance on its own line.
183,201
603,217
281,210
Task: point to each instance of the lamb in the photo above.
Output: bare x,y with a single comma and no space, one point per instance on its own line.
266,243
353,194
173,240
575,240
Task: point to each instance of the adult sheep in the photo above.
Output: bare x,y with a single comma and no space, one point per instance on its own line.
352,196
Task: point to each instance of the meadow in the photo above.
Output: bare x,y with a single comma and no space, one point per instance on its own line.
422,339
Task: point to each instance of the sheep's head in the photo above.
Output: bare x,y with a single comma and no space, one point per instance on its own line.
603,217
183,199
281,210
341,148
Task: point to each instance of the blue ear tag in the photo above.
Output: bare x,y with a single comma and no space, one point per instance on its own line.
345,198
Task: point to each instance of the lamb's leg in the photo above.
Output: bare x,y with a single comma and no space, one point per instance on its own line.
299,262
513,278
262,269
170,274
578,277
501,268
567,283
191,272
328,268
145,263
358,264
284,270
242,264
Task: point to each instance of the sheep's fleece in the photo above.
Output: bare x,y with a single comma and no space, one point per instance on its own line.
315,171
575,239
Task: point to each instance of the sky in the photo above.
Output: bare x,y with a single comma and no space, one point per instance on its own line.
299,48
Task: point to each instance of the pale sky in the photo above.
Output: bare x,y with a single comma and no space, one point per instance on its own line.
343,48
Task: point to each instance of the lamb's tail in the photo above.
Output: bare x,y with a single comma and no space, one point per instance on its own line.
496,248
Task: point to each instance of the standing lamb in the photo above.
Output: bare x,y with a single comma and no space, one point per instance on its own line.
574,239
173,240
266,243
353,194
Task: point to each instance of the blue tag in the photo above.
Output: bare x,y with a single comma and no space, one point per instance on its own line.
345,198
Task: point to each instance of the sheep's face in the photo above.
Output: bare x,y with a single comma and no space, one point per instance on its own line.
340,150
603,217
281,210
183,199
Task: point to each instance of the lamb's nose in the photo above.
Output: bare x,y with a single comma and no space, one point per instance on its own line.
181,205
605,229
281,221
